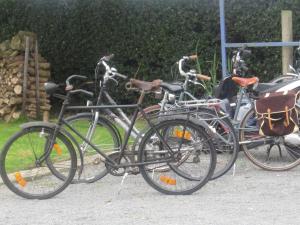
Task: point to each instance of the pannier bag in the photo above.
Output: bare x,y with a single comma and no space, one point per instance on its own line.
276,113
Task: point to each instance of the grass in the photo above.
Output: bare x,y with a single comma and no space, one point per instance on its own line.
8,129
23,146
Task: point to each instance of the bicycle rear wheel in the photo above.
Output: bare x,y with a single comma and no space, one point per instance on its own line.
104,136
186,140
25,172
269,153
225,141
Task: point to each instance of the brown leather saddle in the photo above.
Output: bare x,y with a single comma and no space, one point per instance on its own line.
144,85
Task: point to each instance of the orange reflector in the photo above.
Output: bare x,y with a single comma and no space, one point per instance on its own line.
58,149
186,135
21,181
167,180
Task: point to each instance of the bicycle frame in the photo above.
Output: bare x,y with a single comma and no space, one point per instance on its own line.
138,109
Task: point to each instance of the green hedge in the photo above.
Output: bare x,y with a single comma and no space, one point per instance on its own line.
146,34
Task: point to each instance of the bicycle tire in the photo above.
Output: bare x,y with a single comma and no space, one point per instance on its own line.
178,172
267,160
23,179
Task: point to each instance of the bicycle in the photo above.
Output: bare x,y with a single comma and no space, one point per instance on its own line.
243,116
164,144
91,125
177,97
280,153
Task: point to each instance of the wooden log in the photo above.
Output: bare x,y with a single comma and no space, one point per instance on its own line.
17,69
8,117
43,94
42,80
16,115
15,64
18,89
46,116
42,100
32,87
5,110
41,59
14,101
42,65
43,73
45,108
16,80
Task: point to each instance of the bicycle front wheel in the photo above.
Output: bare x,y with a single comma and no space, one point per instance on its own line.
184,140
24,168
269,153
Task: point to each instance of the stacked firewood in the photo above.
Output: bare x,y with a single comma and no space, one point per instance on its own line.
12,62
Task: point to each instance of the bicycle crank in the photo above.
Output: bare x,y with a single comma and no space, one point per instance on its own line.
114,156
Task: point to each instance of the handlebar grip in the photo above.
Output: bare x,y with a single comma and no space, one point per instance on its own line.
203,77
121,75
193,57
108,57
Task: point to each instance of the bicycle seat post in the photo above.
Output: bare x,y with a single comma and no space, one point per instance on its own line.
141,98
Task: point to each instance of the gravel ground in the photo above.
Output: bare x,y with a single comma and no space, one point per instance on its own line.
251,196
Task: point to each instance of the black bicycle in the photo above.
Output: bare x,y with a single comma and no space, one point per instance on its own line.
40,161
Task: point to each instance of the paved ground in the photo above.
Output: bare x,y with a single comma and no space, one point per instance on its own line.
252,196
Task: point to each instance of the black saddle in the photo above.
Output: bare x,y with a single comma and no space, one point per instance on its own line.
172,87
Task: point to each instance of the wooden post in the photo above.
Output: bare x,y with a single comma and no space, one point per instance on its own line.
37,79
25,75
46,116
287,35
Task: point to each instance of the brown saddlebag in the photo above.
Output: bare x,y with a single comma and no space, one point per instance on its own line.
277,114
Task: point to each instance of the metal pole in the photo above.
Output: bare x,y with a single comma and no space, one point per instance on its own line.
223,38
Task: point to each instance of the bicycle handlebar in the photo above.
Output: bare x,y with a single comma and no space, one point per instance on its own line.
203,77
69,86
79,77
110,72
191,74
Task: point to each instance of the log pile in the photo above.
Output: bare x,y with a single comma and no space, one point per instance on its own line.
12,62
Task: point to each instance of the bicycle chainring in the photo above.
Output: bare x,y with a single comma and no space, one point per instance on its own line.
114,156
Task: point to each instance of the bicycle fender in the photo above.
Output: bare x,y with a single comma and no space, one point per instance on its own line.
38,124
201,123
